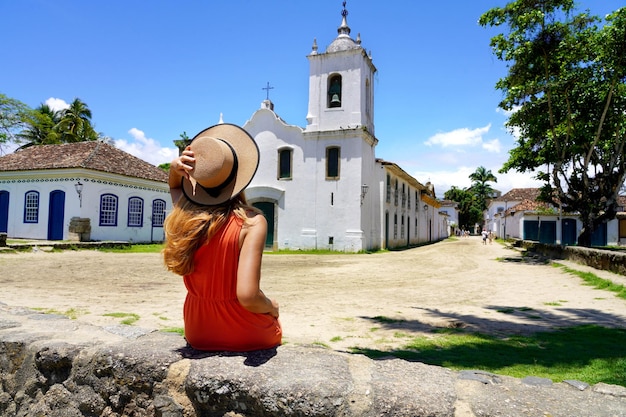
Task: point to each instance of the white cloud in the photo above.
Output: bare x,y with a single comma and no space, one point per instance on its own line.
492,146
57,104
459,137
443,180
146,148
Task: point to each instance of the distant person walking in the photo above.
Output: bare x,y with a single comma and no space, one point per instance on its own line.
485,235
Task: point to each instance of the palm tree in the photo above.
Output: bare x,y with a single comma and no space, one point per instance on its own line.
480,188
75,123
40,129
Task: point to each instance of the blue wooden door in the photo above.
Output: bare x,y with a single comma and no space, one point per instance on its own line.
56,214
598,237
4,211
568,232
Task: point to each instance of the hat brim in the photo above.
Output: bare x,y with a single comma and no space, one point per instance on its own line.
247,152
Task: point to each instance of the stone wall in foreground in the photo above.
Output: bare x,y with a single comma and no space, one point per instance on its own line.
52,366
614,261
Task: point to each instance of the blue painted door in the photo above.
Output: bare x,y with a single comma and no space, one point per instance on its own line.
56,214
4,211
598,237
547,232
568,232
531,230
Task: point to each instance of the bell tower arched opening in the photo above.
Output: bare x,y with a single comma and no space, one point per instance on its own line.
334,91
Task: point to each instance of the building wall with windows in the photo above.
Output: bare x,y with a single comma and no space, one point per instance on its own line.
39,193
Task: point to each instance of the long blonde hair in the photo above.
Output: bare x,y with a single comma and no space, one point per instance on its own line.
190,225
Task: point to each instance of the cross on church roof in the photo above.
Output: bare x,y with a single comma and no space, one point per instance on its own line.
267,89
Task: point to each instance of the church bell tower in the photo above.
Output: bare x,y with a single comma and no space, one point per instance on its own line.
341,84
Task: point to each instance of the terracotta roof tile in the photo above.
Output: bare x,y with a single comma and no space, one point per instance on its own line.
519,194
528,205
98,156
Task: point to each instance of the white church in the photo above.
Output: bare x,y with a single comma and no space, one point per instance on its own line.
322,186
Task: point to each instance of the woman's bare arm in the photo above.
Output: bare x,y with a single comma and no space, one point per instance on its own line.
249,291
178,169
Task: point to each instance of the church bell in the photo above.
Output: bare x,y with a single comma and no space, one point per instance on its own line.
334,101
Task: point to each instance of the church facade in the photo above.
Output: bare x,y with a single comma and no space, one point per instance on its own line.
322,186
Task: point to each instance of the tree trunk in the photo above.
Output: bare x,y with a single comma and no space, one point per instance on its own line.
584,239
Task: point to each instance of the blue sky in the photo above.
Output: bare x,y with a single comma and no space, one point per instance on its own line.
150,71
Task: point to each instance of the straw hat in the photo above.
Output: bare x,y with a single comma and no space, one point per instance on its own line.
227,158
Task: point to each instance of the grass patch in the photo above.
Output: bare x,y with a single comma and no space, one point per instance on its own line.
71,313
336,339
595,281
177,330
136,248
128,318
585,353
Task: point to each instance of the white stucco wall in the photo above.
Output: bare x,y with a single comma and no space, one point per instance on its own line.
357,103
311,209
94,185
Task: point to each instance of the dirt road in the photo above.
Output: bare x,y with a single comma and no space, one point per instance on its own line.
371,301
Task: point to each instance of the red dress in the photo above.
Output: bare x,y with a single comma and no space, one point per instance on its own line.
214,319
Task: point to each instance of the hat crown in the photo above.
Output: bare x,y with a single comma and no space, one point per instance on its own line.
214,161
226,159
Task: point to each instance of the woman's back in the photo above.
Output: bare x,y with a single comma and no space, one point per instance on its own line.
214,318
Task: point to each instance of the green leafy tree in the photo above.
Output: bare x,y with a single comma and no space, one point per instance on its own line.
183,142
480,187
40,127
566,90
469,209
13,117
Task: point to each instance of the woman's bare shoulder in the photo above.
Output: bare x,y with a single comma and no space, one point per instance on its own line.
254,218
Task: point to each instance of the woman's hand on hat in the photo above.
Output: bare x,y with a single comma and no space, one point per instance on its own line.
185,162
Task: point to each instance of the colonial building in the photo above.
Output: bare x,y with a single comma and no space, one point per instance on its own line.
518,215
81,191
322,186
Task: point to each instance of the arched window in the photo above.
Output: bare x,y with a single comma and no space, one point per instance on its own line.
135,212
158,213
285,156
397,193
108,210
388,188
403,195
332,162
334,90
31,207
395,226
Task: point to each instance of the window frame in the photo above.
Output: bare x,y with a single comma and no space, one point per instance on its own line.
158,217
289,152
330,149
135,214
107,213
31,208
